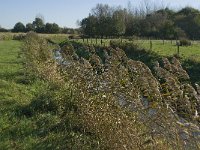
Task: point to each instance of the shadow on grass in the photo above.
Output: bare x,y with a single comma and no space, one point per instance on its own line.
56,129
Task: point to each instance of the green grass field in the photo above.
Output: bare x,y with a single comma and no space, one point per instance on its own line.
18,131
170,49
13,95
25,123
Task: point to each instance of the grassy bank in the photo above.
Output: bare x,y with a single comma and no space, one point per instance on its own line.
57,109
15,129
29,111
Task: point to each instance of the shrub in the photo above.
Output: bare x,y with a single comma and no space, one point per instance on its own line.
124,106
19,37
38,58
6,36
185,42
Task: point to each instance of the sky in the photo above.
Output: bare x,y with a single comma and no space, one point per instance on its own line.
66,12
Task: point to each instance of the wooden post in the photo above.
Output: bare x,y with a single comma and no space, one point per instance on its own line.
83,40
96,41
178,51
87,40
151,45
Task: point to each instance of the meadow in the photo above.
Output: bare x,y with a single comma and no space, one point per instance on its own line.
17,95
166,49
45,105
169,48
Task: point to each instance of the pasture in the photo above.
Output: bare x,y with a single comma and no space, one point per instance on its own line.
31,117
169,48
16,94
166,49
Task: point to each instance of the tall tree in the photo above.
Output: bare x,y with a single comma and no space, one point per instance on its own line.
118,25
29,27
103,13
188,19
52,28
39,25
89,26
19,27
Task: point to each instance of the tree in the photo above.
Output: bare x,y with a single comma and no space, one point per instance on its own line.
89,26
119,25
103,14
3,29
168,30
188,19
52,28
39,25
29,27
179,33
19,27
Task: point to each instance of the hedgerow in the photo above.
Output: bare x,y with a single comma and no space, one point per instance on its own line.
119,102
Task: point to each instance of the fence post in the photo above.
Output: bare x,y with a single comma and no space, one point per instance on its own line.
151,45
178,50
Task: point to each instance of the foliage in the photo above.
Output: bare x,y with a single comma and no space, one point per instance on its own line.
162,23
104,22
38,59
38,24
29,27
3,29
6,36
28,120
185,42
114,87
19,27
19,37
99,98
52,28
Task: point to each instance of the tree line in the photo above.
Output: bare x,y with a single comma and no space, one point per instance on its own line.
39,26
165,23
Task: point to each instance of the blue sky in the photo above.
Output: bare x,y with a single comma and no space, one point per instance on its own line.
66,12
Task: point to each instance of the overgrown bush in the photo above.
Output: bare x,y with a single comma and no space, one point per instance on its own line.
113,98
19,37
6,36
58,98
120,87
38,58
185,42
